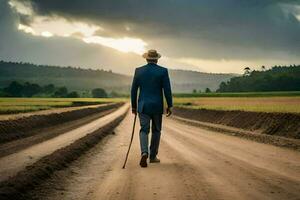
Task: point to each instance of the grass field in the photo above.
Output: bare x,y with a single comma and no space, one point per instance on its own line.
289,104
256,104
22,105
241,94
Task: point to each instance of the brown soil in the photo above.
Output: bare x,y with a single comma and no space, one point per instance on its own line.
279,124
195,164
43,134
17,186
21,127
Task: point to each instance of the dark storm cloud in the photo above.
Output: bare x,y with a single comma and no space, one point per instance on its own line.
215,29
22,47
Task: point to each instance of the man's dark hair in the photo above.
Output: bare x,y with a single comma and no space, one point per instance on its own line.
152,60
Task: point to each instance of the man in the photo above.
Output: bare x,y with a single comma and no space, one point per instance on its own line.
152,81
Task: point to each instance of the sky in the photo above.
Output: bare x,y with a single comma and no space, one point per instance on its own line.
219,36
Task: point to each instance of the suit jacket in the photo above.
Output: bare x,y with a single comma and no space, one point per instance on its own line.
152,81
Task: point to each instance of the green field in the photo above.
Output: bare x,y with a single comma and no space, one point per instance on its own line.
264,103
241,94
256,104
22,105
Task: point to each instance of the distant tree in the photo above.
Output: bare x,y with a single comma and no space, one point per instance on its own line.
72,95
207,90
247,71
263,68
222,87
30,89
14,89
50,88
85,94
115,94
3,94
99,93
194,91
61,92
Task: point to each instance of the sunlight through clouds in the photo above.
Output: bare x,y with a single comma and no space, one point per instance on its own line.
123,44
219,42
297,13
291,9
23,8
26,29
60,27
46,34
48,27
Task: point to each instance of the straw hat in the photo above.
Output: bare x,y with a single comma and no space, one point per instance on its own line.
151,55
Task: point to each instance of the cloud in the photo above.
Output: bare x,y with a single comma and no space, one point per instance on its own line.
58,27
16,45
23,8
214,29
192,33
125,44
49,26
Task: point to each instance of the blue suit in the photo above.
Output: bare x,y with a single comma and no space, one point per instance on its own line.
153,83
152,80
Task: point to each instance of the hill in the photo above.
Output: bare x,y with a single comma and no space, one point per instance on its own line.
186,81
86,79
278,78
71,77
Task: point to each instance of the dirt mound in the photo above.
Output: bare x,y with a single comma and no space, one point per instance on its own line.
26,126
280,124
18,186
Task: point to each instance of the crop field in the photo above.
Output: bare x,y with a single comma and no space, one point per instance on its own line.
256,104
22,105
241,94
290,104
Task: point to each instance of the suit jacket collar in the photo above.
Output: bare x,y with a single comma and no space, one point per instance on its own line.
151,64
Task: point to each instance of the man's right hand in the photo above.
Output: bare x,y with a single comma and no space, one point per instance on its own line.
134,111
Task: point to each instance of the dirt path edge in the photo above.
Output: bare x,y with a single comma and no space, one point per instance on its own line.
27,126
258,137
277,124
25,181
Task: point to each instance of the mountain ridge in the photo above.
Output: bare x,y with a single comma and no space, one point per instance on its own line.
77,78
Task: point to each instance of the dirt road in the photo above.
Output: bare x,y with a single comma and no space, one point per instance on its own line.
195,164
15,162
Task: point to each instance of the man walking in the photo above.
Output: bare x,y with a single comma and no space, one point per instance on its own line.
152,81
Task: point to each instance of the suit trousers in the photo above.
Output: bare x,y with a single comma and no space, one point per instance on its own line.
145,121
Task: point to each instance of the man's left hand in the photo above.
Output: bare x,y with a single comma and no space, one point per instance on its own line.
169,111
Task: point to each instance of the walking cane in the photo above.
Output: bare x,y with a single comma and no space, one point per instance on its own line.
132,134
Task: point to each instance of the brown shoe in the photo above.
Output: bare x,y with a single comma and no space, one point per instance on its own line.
143,162
155,160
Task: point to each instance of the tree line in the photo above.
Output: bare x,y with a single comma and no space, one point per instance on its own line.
80,79
17,89
27,89
74,78
278,78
